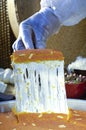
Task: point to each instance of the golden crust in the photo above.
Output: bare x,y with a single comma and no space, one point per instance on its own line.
24,56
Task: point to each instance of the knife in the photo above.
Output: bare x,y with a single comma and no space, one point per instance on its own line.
6,97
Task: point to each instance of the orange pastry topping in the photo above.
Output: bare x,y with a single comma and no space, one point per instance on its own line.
36,55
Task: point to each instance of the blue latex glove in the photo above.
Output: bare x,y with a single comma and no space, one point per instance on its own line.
42,25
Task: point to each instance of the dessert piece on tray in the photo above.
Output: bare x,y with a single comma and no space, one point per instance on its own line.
39,81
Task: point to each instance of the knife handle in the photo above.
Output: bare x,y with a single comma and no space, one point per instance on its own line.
6,97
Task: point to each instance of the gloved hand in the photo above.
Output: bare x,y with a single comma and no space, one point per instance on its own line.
41,25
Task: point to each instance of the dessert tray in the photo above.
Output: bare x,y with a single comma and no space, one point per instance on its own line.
76,104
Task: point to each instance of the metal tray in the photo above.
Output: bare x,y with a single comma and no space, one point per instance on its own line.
75,104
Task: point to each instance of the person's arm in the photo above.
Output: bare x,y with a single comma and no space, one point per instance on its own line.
47,21
69,12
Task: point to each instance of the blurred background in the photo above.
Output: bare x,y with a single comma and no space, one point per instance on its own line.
70,40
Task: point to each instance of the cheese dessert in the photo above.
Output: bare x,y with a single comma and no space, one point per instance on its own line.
40,95
39,81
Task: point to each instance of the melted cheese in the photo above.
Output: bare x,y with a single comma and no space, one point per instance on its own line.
40,87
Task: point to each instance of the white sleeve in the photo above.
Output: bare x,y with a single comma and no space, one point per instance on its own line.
69,12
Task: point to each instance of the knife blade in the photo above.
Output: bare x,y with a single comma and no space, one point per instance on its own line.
6,106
